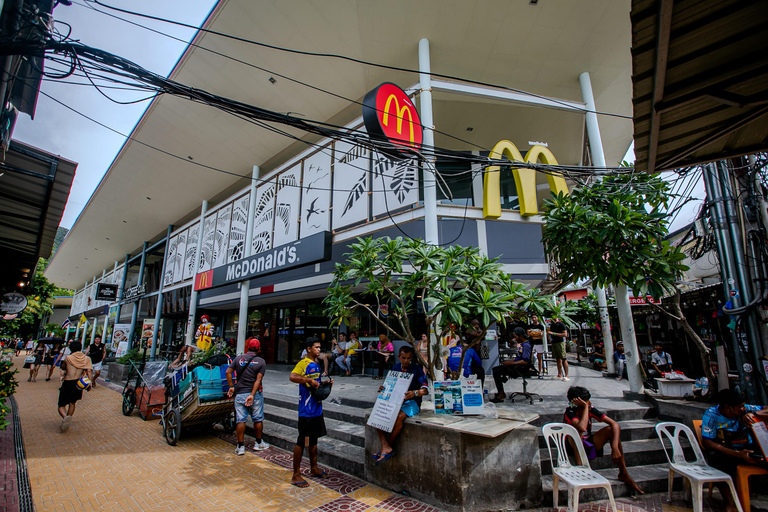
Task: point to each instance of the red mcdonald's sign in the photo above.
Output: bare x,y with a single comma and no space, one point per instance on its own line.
204,280
390,116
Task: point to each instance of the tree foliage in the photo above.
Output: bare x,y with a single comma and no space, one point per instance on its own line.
452,285
613,232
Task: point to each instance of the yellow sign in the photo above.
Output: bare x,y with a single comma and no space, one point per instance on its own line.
525,179
401,113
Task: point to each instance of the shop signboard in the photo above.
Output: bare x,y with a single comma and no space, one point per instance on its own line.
147,331
640,301
12,303
309,250
134,293
391,117
106,292
390,399
458,397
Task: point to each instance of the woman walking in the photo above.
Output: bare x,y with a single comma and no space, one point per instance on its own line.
39,354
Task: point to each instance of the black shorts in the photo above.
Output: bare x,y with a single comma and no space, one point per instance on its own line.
69,393
313,428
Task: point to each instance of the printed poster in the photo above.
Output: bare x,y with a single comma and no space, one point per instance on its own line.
120,334
458,397
390,399
122,349
147,330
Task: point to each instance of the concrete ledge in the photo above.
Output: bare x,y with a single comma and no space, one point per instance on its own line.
461,472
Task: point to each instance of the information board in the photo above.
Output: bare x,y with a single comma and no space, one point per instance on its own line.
390,399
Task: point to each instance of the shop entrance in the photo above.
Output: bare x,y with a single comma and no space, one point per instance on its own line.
290,333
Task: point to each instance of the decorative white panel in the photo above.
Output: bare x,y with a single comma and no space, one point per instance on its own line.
264,217
395,183
239,223
316,194
206,249
287,206
191,252
350,184
221,239
168,276
178,258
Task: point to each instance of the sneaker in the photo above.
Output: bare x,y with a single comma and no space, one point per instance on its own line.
540,377
65,424
566,379
240,450
257,447
618,378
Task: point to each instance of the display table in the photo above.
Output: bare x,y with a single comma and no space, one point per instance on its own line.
677,388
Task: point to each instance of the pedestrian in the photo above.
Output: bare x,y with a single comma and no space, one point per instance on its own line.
579,414
311,423
383,351
30,346
661,361
96,351
39,353
536,334
52,359
19,346
249,400
73,369
411,406
559,333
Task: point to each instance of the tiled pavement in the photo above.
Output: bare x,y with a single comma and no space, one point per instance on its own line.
115,463
9,492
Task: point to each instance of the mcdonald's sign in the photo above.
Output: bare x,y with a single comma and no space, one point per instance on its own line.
525,179
390,115
204,280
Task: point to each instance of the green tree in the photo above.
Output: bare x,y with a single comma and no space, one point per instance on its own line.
453,285
613,232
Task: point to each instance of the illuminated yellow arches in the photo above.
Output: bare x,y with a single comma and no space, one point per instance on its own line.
525,179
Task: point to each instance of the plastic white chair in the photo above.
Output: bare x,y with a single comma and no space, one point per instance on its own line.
697,472
575,478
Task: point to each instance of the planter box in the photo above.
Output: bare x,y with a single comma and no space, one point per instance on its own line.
458,471
118,373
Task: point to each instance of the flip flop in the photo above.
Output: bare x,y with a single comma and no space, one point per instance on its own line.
324,474
301,485
376,456
384,457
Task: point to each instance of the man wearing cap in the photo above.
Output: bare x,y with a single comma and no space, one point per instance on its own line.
249,401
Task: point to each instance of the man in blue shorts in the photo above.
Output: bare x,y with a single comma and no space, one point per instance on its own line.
311,423
412,405
249,401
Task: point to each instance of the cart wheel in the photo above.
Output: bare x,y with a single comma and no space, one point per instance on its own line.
172,427
129,402
229,423
541,399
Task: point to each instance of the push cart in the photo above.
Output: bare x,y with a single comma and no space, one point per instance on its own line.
144,388
197,397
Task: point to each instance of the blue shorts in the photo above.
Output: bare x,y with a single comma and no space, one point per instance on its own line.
255,411
410,408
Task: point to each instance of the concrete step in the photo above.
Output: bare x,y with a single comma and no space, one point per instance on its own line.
634,411
631,430
331,409
331,452
351,433
650,478
636,454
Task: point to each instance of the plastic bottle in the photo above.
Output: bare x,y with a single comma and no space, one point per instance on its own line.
490,411
704,385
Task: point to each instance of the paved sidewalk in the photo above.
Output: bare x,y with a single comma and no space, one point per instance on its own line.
110,462
9,492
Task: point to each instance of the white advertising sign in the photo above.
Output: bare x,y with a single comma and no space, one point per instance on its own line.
458,397
390,399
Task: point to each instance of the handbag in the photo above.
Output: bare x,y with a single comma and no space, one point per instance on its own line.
485,350
29,359
322,392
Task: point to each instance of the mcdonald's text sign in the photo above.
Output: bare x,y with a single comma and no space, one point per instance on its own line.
390,116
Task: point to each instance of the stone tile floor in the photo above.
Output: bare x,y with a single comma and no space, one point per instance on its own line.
111,462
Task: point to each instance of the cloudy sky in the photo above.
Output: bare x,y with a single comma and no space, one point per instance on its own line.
61,131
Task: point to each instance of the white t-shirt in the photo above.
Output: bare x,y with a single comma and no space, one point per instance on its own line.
664,358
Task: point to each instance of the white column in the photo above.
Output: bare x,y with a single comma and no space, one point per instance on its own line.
193,296
245,286
428,144
598,159
628,337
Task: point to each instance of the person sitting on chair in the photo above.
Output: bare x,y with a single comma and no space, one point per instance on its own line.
726,438
579,414
519,366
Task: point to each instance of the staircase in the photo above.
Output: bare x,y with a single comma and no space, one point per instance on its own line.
344,446
646,461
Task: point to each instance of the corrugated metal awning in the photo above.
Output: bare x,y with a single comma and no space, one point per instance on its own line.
700,81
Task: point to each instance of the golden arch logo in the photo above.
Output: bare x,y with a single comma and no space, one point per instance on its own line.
204,280
400,113
525,179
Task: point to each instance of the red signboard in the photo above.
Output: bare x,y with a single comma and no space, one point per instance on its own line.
639,301
204,280
390,116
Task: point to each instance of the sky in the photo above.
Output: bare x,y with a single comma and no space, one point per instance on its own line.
58,130
61,131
